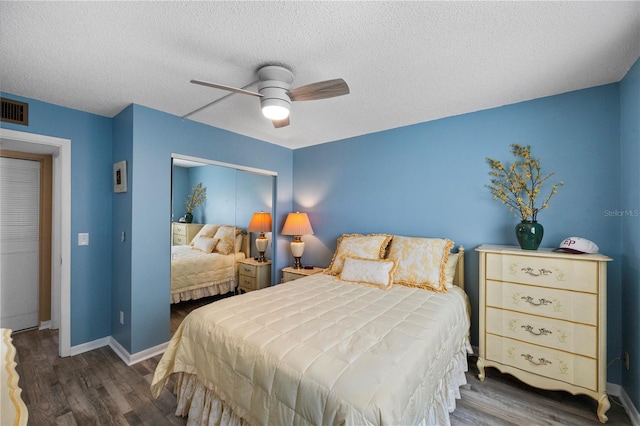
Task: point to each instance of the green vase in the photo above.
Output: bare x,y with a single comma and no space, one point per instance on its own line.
529,234
188,218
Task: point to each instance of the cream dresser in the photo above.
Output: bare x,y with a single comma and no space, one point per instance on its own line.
183,233
253,275
542,319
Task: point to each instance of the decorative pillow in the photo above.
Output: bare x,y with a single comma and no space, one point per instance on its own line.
238,246
422,262
450,271
373,272
205,244
227,236
206,231
370,246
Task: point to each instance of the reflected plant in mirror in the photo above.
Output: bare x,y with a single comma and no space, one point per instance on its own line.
197,197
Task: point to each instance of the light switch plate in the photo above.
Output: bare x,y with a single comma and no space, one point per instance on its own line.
83,239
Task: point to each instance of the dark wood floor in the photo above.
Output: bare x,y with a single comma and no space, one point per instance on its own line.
97,388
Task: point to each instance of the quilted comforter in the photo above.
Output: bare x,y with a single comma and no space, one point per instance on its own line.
191,268
320,351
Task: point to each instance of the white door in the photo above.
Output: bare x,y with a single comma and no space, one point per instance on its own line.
19,239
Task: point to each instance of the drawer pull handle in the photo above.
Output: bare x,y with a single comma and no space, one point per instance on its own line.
541,361
541,302
536,273
541,331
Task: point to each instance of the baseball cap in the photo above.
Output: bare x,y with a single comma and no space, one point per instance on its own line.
577,245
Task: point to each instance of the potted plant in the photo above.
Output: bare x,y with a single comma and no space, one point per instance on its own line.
519,186
197,197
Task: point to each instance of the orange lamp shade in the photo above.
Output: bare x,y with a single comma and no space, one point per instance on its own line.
260,222
297,224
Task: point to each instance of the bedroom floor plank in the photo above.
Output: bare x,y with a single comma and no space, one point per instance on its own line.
98,388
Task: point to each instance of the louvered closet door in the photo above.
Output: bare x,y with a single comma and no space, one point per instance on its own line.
19,237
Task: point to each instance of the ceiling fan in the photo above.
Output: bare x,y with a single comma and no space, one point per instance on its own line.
276,95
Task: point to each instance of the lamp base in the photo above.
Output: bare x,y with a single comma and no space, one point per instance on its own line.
297,264
261,245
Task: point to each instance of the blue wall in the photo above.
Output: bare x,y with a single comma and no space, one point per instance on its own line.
429,180
630,222
91,189
121,250
156,136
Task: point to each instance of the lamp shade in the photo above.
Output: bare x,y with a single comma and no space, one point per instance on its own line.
260,222
297,224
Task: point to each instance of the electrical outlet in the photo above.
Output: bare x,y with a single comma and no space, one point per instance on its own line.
626,360
121,317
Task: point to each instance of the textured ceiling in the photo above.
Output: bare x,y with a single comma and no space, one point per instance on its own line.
405,62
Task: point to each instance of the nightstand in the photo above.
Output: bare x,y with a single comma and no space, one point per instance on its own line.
183,233
253,275
290,274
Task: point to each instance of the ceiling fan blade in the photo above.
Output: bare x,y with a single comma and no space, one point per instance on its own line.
320,90
229,88
281,123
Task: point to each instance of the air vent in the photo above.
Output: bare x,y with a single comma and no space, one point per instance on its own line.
15,112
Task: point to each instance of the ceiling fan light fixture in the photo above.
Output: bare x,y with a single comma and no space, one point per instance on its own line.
275,109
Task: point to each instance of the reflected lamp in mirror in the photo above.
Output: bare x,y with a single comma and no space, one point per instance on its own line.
297,224
260,222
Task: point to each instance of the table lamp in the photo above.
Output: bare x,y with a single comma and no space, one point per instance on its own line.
260,222
297,224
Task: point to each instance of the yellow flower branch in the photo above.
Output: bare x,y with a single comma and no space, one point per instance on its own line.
520,185
197,197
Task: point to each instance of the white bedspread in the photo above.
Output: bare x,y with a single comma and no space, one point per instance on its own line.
317,351
191,268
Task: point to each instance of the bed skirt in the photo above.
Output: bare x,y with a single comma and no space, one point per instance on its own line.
198,293
204,407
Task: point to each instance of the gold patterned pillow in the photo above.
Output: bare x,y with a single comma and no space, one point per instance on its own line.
422,262
227,236
373,272
370,246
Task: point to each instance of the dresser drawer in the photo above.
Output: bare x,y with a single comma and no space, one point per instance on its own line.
249,283
248,270
548,302
289,276
577,370
179,229
179,240
543,271
567,336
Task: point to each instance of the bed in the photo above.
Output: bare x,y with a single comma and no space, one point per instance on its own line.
207,266
339,347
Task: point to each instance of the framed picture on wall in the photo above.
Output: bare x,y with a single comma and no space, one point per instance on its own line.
120,176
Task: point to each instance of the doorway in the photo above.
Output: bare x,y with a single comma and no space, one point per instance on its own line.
25,249
60,151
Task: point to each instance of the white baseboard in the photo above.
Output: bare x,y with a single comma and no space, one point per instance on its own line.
138,356
45,325
122,353
89,346
614,390
631,409
148,353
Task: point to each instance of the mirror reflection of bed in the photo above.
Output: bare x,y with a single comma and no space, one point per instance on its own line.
205,252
